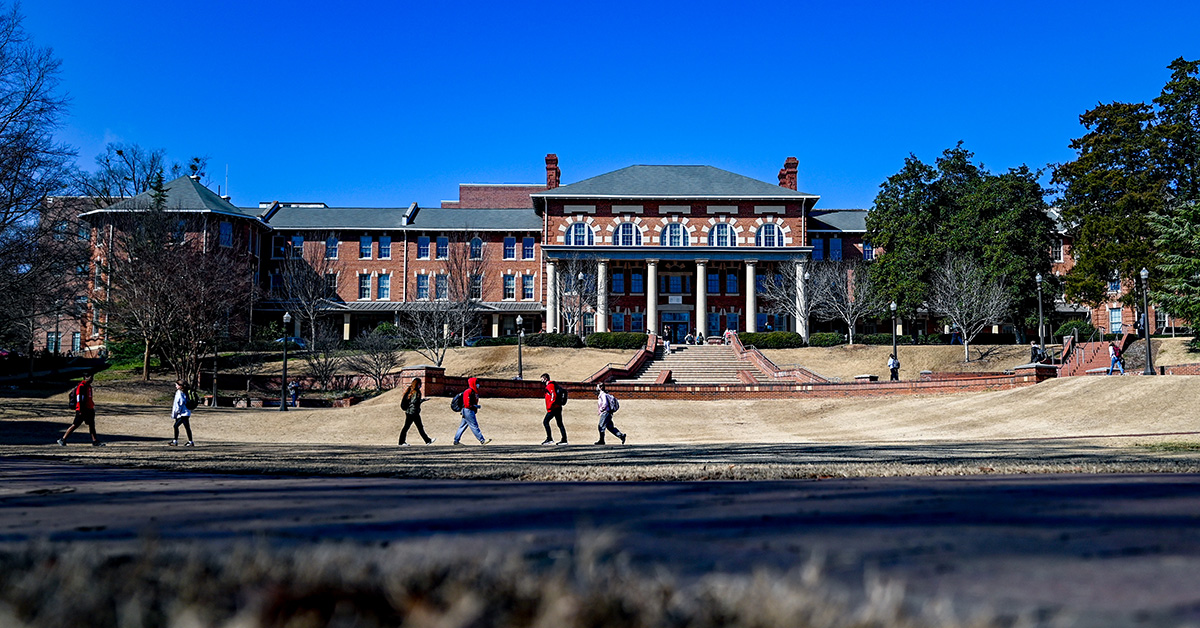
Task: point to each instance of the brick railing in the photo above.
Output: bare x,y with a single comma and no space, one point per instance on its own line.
764,364
630,368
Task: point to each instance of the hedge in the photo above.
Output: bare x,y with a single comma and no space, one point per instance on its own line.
617,340
873,339
772,340
503,341
826,339
1068,328
566,341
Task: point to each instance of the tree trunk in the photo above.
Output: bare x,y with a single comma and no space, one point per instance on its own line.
146,363
966,349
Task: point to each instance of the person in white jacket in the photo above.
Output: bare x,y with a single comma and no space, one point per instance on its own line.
606,406
181,415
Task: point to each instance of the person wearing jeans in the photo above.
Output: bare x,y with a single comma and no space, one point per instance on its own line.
470,402
181,415
1114,355
606,405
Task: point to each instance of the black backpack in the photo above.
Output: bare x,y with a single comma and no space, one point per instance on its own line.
561,395
405,403
73,398
190,399
456,404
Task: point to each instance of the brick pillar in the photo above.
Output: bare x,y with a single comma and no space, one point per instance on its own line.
602,295
551,298
652,296
495,325
751,298
702,296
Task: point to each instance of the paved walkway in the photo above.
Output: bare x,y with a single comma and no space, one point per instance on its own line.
1086,550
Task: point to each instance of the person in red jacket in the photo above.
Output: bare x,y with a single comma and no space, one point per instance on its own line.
85,411
470,401
554,408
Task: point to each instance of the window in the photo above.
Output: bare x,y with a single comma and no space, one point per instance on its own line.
422,287
52,341
527,287
385,247
637,322
384,288
364,287
868,251
768,235
714,283
278,247
818,247
181,231
835,248
714,324
674,235
477,287
731,321
628,234
760,282
251,240
731,283
1114,320
674,284
81,304
443,247
1056,250
589,323
364,247
297,245
580,234
225,233
1160,319
721,235
75,342
60,230
441,287
423,247
510,287
331,247
81,269
476,248
276,282
527,248
635,283
1114,284
510,248
618,283
97,278
85,232
330,285
618,322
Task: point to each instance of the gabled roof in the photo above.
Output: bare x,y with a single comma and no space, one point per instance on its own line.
672,182
184,194
845,220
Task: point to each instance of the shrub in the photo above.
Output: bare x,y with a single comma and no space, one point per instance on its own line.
617,340
826,339
503,341
125,351
874,339
933,339
1068,328
772,340
565,341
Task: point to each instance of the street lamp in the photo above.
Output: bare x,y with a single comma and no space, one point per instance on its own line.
1146,325
893,308
1041,327
579,296
520,340
283,385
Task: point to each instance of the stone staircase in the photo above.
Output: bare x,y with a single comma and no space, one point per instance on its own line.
699,364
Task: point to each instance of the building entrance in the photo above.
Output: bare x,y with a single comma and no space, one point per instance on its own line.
676,326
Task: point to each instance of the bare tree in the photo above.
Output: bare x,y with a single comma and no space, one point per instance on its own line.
450,313
376,354
126,170
577,289
248,362
324,358
843,290
782,295
308,281
964,294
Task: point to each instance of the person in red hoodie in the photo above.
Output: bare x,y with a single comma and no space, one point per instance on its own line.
85,411
470,401
554,408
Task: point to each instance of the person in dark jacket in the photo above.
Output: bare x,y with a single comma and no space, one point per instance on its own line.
470,401
85,411
411,404
554,408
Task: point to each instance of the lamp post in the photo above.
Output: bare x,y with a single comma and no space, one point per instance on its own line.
579,296
1146,325
893,308
1041,327
520,341
283,385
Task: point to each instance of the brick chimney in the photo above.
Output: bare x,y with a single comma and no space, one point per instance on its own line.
787,174
553,174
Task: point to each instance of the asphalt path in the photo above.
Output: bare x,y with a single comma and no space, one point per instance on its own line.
1063,549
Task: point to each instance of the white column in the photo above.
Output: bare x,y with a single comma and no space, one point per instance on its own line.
751,299
495,325
551,298
345,327
702,297
652,296
801,299
602,296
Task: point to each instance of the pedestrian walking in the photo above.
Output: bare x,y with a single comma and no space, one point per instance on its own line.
181,415
470,408
85,411
294,390
411,404
555,400
606,406
1114,356
894,367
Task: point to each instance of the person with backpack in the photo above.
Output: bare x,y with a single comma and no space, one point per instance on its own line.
468,404
607,405
1114,356
85,410
181,413
894,367
411,404
556,398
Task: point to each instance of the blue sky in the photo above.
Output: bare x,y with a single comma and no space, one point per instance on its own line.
386,103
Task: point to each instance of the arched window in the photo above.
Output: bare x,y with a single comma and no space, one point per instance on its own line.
476,248
721,235
580,234
674,235
628,235
768,235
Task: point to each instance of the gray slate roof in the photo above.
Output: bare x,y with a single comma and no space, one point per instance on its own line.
449,219
847,220
672,182
338,218
392,219
183,195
